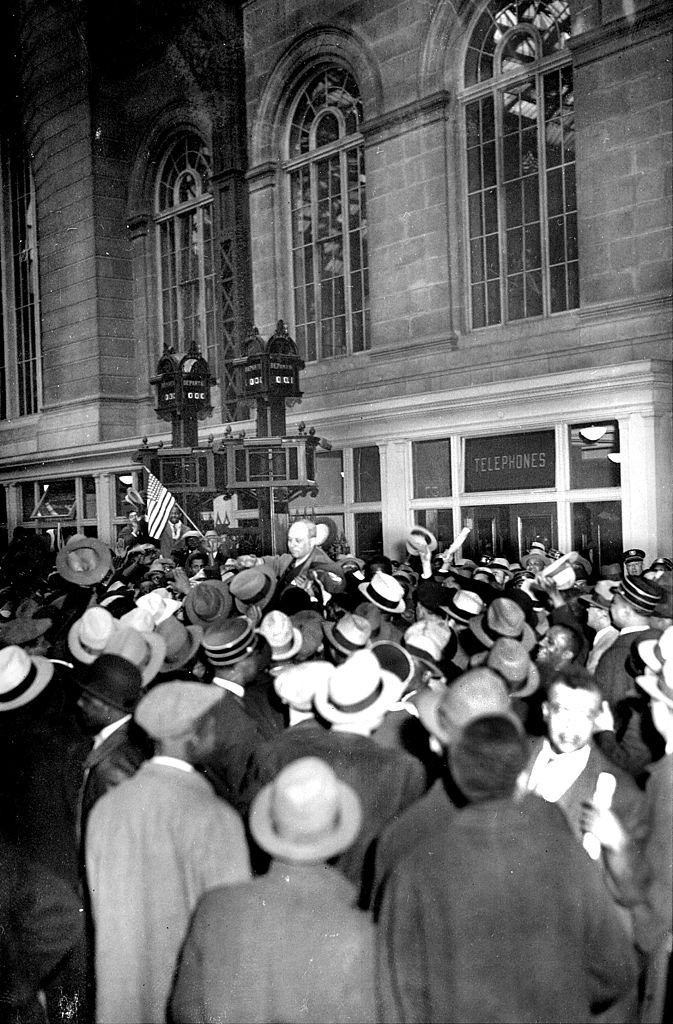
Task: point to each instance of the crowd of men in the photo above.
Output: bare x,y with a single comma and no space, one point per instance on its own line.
311,787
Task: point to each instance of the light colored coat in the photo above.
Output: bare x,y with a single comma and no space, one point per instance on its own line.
154,845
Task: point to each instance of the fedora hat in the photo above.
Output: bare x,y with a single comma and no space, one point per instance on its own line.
419,540
477,692
351,633
84,561
159,604
182,642
601,595
463,605
430,640
208,604
22,677
350,563
385,592
297,685
641,594
253,587
503,617
145,650
22,629
114,680
510,659
394,658
561,571
310,625
306,814
283,638
88,636
173,709
139,619
655,652
358,688
229,642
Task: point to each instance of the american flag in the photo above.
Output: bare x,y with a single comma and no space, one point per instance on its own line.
160,501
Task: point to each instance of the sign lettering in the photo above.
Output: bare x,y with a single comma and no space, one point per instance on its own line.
510,462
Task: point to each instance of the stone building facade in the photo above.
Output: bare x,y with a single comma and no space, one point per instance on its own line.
462,211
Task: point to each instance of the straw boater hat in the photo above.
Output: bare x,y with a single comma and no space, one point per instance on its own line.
173,709
229,642
503,617
253,587
84,561
297,685
208,604
139,619
22,677
89,635
357,689
419,540
658,651
145,650
351,633
463,605
385,592
182,643
283,638
306,814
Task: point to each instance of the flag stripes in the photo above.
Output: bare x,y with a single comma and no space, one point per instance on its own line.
160,501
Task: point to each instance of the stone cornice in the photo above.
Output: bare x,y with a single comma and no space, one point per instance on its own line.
406,118
262,175
616,35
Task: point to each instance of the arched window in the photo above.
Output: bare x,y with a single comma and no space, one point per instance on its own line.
20,360
520,140
184,217
326,169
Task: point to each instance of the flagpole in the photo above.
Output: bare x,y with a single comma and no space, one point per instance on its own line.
188,518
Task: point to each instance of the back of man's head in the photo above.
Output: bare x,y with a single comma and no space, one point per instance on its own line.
487,758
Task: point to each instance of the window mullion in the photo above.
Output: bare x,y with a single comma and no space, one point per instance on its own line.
345,235
315,253
501,208
542,171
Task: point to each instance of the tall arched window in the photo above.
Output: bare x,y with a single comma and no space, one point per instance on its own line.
20,360
520,140
184,217
326,170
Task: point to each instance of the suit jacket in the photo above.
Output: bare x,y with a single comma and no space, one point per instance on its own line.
117,758
287,947
615,672
501,917
154,844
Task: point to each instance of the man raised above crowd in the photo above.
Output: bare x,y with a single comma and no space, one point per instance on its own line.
306,565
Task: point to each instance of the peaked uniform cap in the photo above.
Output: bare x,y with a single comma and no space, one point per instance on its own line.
173,709
633,555
22,677
642,594
306,814
88,636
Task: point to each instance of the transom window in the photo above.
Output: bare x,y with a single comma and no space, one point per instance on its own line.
329,220
520,142
184,216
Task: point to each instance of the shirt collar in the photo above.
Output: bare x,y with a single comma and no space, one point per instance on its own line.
172,762
228,684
